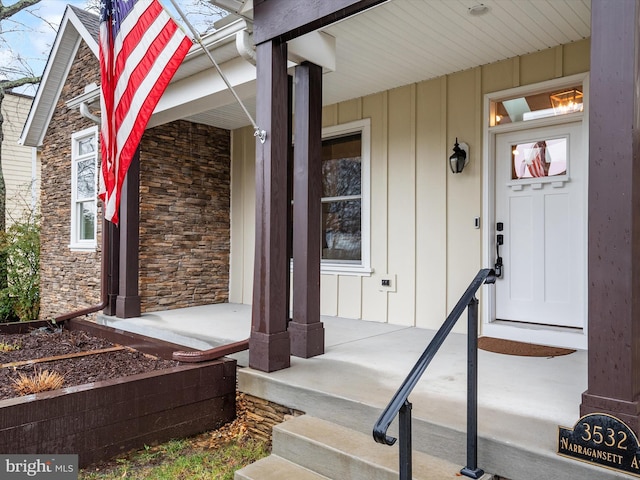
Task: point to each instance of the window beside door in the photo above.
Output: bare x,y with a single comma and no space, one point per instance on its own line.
345,198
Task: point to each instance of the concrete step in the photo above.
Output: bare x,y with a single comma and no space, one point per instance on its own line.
340,453
274,467
509,445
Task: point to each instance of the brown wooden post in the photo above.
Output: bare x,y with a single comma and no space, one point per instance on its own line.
128,301
614,212
269,348
113,265
306,330
289,183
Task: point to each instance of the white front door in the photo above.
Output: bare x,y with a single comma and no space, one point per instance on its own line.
540,212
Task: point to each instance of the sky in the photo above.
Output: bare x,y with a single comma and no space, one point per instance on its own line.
30,34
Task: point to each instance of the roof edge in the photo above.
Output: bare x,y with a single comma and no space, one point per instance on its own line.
71,31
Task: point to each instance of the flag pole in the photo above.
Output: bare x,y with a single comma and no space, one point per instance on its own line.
258,132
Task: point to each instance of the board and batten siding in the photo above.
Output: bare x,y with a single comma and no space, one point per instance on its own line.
17,160
422,215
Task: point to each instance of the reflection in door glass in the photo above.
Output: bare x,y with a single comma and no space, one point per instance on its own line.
538,105
544,158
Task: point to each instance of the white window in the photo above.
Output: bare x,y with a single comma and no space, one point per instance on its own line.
84,166
345,198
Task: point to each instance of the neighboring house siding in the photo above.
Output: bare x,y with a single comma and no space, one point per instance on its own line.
69,280
184,216
184,212
17,161
422,217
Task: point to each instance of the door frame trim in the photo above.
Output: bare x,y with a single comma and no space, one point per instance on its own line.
557,336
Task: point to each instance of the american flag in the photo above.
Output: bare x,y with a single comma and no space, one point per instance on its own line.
539,166
141,47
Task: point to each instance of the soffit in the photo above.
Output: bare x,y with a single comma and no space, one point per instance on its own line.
406,41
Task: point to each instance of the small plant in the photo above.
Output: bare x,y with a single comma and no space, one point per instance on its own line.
39,381
20,269
9,347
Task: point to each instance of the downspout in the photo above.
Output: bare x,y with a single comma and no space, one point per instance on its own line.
245,47
104,276
84,111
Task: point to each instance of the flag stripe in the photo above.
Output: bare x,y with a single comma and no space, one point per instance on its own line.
144,101
127,38
140,64
141,47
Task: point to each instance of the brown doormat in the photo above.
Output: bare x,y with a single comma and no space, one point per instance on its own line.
510,347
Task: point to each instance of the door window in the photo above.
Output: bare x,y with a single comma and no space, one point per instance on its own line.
540,158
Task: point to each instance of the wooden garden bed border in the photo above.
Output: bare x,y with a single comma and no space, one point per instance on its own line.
100,420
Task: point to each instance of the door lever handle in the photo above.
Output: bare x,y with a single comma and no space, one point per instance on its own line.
498,266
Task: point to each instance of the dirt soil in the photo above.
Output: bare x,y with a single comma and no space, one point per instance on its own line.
46,342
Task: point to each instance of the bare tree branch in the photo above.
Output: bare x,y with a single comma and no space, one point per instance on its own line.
6,12
9,84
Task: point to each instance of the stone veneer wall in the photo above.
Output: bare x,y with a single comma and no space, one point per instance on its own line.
262,415
184,216
184,212
69,280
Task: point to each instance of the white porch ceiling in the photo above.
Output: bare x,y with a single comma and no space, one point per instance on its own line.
405,41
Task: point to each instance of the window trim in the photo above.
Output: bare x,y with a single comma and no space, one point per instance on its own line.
75,244
364,266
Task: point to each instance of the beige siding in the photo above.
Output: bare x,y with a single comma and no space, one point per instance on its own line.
401,197
422,215
16,159
374,302
242,215
431,203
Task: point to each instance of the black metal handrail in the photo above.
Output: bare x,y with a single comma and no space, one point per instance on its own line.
400,405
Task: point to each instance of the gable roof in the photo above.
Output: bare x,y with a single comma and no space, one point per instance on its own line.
76,25
90,21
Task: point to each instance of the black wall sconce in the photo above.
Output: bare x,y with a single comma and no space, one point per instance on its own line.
460,157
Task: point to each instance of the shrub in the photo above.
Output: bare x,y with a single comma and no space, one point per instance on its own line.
20,247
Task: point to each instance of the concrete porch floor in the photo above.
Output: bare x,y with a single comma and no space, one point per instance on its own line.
522,400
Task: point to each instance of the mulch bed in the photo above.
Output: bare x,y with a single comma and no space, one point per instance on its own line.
48,342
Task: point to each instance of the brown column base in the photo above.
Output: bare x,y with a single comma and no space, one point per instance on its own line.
111,309
128,307
269,352
307,339
628,412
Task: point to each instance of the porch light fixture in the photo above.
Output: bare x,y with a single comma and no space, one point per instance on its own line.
568,101
460,157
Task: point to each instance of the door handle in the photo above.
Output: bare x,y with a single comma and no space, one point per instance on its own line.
499,241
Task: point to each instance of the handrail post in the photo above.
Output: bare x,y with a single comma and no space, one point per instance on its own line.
399,404
472,470
404,434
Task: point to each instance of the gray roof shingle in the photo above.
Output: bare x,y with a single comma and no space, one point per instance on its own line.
89,20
